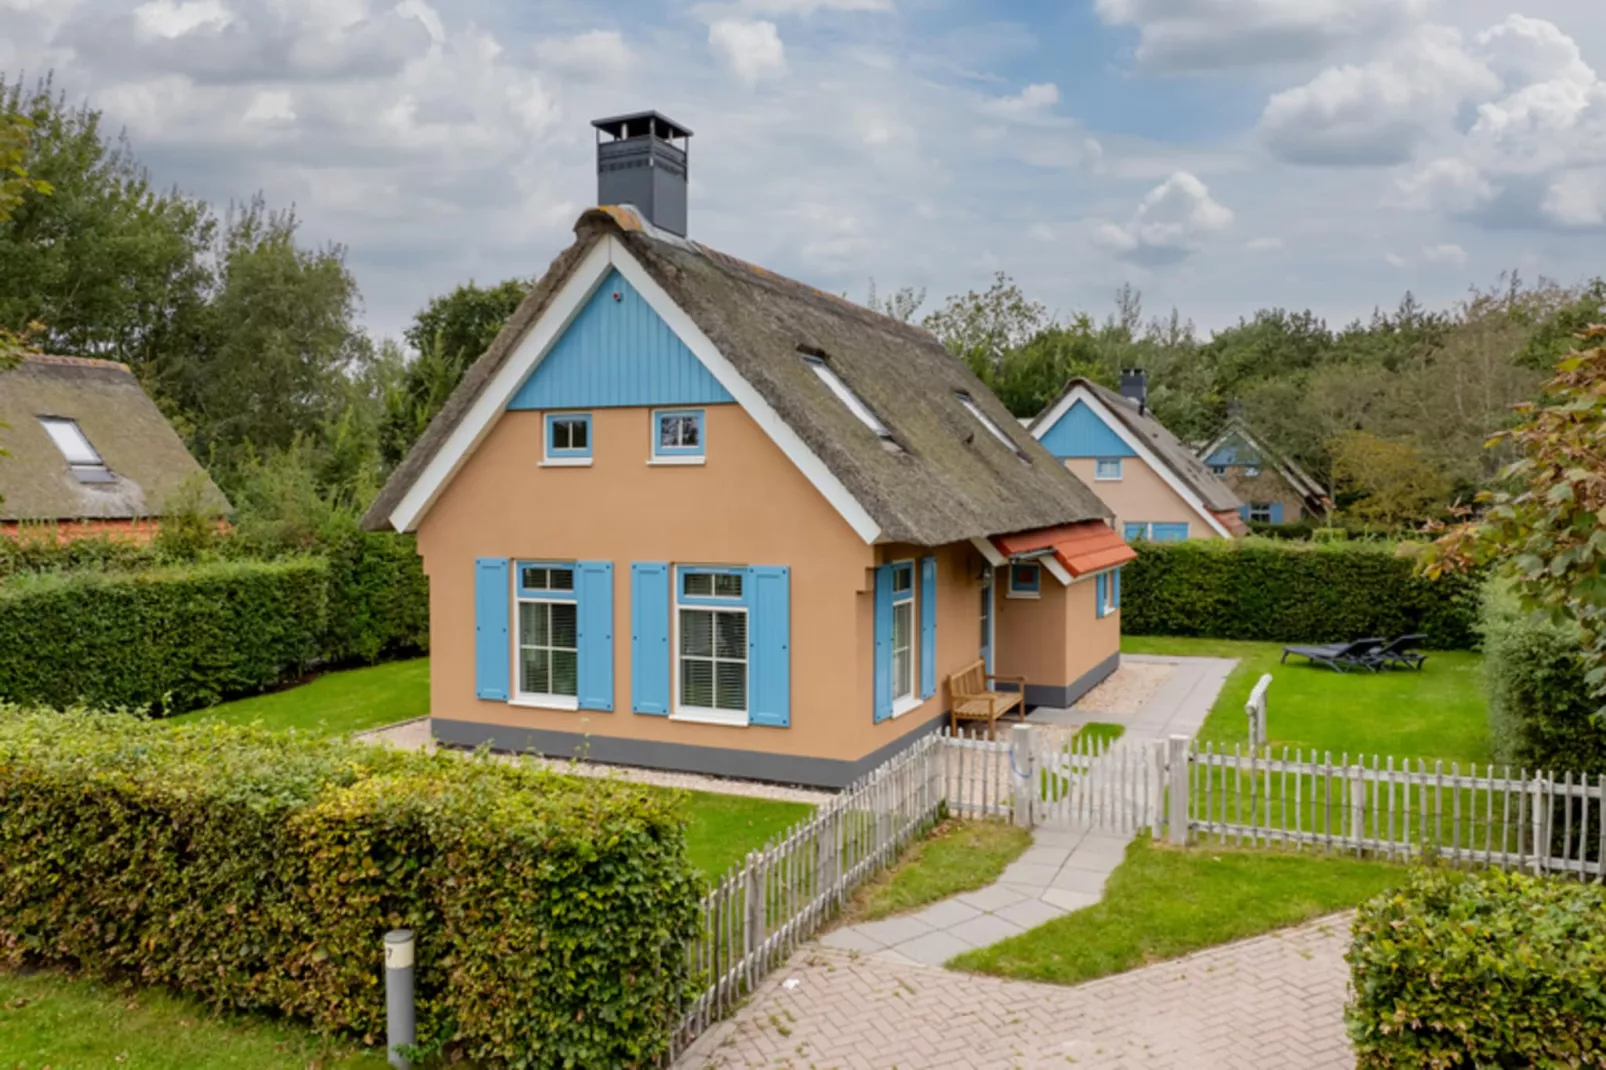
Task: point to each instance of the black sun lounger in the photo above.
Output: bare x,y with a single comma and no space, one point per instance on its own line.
1401,652
1340,657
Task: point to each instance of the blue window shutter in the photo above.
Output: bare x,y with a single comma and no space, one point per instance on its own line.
1276,512
883,643
1101,588
649,638
1133,532
1243,511
769,646
1117,582
928,627
595,593
1170,532
492,647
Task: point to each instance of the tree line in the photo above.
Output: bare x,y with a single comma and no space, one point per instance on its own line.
251,341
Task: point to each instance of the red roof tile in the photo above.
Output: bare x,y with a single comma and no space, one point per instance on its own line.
1084,548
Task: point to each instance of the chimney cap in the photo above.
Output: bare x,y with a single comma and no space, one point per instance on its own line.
641,124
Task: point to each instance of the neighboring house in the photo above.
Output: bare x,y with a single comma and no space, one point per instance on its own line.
88,451
688,514
1150,480
1274,489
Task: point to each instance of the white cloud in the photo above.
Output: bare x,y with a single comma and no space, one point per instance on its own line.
1035,99
1263,245
271,106
165,18
1395,260
1446,253
1192,35
751,50
1170,224
1379,112
809,7
599,55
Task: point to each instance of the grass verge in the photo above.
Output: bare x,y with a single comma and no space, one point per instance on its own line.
1440,712
1164,902
339,702
50,1020
721,829
958,856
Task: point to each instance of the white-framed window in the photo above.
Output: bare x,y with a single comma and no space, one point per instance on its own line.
905,674
1218,469
844,393
547,654
1260,512
82,458
711,659
1025,580
568,438
677,436
1107,469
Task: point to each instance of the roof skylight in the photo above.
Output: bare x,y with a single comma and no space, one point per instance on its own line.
986,421
845,394
74,445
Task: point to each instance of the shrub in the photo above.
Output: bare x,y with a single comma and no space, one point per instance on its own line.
1293,592
378,598
39,548
259,871
1541,707
1495,970
173,638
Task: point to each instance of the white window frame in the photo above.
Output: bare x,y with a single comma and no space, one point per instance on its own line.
1218,469
902,704
1012,591
844,393
1262,508
986,421
1100,475
567,458
537,700
679,455
714,604
1251,471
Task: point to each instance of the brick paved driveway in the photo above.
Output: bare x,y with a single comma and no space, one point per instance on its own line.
1275,1002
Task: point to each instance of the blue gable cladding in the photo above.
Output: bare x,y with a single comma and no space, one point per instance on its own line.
1234,452
618,352
1080,433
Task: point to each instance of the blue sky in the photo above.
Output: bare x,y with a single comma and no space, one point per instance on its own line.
1220,155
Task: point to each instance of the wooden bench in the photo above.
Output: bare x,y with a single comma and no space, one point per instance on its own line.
972,700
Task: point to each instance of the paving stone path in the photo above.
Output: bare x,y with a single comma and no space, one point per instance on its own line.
1274,1002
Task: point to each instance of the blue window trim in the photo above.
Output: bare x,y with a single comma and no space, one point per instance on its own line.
698,450
1099,463
546,596
903,568
682,571
568,453
1016,587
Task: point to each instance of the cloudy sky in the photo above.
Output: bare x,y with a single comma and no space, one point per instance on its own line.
1221,155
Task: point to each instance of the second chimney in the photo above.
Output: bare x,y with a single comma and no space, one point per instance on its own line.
1135,387
639,163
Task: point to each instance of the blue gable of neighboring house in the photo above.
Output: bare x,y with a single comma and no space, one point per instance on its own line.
618,352
1234,453
1081,433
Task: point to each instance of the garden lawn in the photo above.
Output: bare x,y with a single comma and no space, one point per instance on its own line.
50,1020
1438,713
957,857
721,829
1165,902
337,702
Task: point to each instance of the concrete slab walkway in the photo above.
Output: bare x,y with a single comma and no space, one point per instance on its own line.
1065,868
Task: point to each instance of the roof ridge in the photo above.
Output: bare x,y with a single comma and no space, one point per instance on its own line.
73,362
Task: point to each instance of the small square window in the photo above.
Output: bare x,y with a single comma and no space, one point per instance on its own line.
678,434
1107,468
1218,469
1026,580
1260,513
568,437
699,584
546,579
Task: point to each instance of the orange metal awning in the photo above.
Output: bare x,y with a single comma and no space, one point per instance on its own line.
1088,547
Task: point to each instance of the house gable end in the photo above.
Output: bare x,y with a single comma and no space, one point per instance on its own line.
1234,450
618,352
1081,432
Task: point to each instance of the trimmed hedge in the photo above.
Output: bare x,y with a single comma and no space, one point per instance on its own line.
1541,708
259,871
172,639
1293,592
378,599
1492,970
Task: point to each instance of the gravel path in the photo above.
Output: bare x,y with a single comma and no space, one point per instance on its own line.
1127,690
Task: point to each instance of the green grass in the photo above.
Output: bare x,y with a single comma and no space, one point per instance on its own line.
958,856
338,702
1440,712
1162,903
50,1020
723,828
1101,732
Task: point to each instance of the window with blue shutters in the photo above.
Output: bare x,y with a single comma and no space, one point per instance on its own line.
905,637
547,609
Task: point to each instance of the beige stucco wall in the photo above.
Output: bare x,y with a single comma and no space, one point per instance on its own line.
748,505
1269,486
1140,496
1054,640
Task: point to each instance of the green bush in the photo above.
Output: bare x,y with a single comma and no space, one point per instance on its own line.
1491,970
38,548
378,598
1541,708
173,639
260,871
1293,592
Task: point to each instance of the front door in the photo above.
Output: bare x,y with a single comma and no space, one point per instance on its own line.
987,618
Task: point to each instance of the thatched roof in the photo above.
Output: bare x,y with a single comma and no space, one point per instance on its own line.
946,479
145,459
1297,478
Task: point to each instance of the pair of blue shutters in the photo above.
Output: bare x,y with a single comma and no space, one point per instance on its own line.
493,641
767,596
1108,591
883,635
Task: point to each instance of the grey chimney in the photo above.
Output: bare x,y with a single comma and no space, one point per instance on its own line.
1135,387
640,164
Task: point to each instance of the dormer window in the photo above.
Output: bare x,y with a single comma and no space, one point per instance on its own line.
82,458
845,394
986,421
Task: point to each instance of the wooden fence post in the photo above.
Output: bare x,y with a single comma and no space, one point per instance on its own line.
1541,837
1177,762
753,914
1357,804
1022,773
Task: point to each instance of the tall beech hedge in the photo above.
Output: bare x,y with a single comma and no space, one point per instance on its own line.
1486,970
172,639
1293,592
260,871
